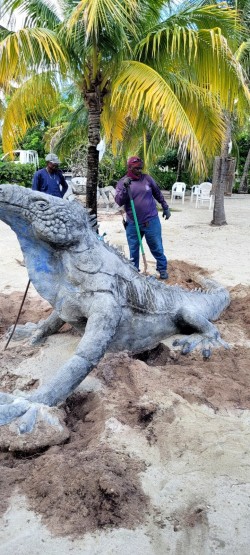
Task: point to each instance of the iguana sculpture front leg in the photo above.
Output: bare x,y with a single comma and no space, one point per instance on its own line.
100,329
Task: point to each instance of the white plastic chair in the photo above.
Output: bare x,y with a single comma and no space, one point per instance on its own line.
195,189
204,194
178,190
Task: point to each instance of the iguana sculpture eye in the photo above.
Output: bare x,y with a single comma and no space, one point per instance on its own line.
41,204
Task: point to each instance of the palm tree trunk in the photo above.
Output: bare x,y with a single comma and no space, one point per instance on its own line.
219,216
179,168
223,173
93,99
243,188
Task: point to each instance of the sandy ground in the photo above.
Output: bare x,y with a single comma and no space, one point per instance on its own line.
158,456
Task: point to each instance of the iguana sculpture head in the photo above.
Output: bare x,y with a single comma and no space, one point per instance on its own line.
50,219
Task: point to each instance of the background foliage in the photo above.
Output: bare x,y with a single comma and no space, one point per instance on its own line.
112,168
21,174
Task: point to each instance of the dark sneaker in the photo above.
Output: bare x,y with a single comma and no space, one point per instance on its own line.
163,275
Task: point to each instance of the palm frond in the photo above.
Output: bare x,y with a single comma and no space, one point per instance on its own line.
114,124
207,52
141,87
195,16
98,14
224,76
28,49
74,132
4,32
2,109
31,101
38,13
202,109
60,113
156,146
52,137
242,55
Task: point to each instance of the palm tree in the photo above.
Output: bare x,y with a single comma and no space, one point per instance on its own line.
127,58
224,165
243,188
243,56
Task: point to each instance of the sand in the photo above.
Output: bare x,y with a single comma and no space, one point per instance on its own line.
158,456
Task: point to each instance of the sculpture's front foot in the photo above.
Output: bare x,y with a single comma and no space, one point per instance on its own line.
38,332
26,426
205,342
23,331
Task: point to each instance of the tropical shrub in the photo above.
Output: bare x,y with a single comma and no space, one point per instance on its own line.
111,169
21,174
34,139
165,179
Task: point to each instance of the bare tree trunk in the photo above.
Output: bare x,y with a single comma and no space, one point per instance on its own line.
179,168
243,188
223,174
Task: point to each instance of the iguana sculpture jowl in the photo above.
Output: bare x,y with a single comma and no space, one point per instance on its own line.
94,288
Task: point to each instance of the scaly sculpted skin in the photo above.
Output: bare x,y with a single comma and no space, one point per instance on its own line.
99,292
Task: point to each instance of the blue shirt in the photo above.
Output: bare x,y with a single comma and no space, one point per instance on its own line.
145,192
51,183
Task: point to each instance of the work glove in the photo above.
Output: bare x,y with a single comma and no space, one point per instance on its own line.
127,182
166,213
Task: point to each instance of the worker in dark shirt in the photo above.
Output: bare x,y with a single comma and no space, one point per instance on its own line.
50,180
145,192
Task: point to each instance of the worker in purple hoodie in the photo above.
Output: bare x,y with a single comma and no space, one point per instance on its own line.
144,192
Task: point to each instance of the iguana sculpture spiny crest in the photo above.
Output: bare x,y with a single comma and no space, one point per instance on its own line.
93,287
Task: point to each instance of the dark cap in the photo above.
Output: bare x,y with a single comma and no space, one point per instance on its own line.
52,158
135,162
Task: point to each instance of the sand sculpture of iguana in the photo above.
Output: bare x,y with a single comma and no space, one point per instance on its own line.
97,290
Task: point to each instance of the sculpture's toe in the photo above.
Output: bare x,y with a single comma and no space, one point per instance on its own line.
212,341
37,338
188,343
27,422
187,348
224,344
206,353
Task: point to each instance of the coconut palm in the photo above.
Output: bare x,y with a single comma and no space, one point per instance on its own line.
127,58
243,56
224,165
